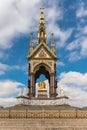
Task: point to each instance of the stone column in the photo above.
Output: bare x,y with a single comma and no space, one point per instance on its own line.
52,84
32,85
28,87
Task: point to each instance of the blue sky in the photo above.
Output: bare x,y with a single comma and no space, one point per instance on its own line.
68,21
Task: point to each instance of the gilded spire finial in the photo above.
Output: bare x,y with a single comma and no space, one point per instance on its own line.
41,14
42,31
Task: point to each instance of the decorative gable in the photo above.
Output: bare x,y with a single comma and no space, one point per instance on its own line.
42,53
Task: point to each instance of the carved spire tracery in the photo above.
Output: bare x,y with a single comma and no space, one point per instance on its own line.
53,44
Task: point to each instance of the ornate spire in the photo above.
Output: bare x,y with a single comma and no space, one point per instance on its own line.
42,31
53,44
53,38
31,47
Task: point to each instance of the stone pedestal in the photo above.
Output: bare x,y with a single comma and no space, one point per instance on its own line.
42,93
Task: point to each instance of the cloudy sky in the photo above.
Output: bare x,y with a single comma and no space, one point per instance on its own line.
67,19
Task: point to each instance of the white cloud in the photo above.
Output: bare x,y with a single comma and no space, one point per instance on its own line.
53,15
1,54
74,77
81,31
61,35
84,30
6,102
4,68
16,17
78,47
73,45
75,86
22,17
60,63
84,47
9,88
74,56
82,10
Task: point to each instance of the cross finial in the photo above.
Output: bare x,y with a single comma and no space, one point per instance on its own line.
42,9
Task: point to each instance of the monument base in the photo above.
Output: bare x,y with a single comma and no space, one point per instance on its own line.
23,100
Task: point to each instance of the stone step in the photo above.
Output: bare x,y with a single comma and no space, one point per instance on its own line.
43,124
40,128
45,121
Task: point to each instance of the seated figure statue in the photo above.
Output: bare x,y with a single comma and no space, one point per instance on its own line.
42,85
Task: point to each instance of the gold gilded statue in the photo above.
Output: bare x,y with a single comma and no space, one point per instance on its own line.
42,85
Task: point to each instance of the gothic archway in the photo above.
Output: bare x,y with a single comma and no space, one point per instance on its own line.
39,71
42,70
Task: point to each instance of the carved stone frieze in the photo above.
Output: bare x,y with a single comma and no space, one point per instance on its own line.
43,114
57,101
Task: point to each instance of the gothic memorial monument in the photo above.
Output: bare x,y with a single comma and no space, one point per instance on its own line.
42,60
